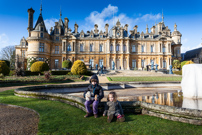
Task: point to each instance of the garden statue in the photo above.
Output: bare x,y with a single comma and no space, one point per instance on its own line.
152,65
102,69
96,66
113,65
170,69
156,68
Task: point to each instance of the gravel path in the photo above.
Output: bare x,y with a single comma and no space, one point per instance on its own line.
18,121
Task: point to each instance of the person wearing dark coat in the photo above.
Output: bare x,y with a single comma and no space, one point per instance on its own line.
96,93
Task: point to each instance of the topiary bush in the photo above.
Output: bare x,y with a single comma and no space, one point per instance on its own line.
189,62
7,62
67,64
79,68
4,69
176,64
182,63
39,66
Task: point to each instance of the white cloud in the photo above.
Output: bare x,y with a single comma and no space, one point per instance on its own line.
50,23
148,17
106,16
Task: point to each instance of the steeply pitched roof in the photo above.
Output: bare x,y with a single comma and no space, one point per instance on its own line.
40,21
192,53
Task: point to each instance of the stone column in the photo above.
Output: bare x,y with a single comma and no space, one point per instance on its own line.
128,47
122,62
128,63
114,46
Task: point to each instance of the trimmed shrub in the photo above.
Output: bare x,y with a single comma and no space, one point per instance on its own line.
189,62
29,73
60,72
176,64
79,68
67,64
39,66
182,63
7,62
4,69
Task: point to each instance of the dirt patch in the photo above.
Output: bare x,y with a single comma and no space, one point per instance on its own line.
18,121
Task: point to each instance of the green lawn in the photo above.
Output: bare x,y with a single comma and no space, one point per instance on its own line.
145,79
60,118
38,80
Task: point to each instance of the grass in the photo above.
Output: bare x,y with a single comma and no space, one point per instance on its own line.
60,118
38,80
145,79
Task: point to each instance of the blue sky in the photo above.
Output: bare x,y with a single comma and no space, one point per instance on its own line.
186,14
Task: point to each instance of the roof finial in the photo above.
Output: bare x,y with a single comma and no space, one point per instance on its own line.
41,8
60,12
162,16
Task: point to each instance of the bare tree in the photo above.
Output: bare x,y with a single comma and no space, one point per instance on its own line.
7,53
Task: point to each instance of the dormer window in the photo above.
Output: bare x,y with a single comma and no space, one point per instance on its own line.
57,31
23,43
41,35
82,35
41,28
91,35
100,36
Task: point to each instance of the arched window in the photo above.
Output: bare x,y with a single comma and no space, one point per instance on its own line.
101,48
152,48
142,48
81,47
69,48
124,48
91,47
133,48
111,47
117,47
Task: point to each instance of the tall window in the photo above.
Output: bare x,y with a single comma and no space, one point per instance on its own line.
164,64
69,48
100,62
91,47
142,63
23,43
164,49
57,38
41,47
63,46
152,48
101,48
117,47
56,49
57,31
41,35
124,48
111,47
41,28
91,62
81,47
133,48
23,53
133,63
56,63
142,48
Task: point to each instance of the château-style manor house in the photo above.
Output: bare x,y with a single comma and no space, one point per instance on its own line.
127,50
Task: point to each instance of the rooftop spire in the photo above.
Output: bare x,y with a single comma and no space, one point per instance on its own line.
60,12
162,16
41,8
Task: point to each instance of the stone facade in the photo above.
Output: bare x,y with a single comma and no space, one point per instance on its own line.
132,50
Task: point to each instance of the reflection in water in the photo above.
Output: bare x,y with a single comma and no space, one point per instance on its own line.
170,99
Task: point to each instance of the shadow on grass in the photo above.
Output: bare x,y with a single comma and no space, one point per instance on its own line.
9,84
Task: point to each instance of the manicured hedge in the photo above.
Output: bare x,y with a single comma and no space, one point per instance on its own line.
79,68
60,72
39,66
29,73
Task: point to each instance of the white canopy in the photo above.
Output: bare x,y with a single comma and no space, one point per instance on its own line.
192,81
